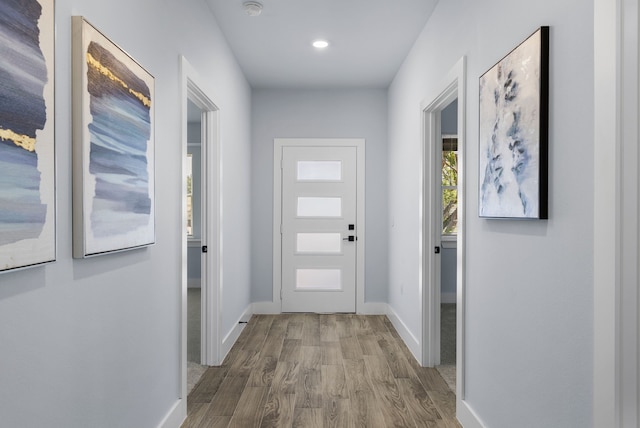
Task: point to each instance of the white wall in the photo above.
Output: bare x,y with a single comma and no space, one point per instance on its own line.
95,342
529,285
334,113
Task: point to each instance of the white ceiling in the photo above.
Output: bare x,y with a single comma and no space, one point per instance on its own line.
369,40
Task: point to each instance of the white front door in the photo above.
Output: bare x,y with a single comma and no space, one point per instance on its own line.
319,230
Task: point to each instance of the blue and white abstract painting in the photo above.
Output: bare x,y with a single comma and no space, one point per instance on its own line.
118,147
510,134
27,188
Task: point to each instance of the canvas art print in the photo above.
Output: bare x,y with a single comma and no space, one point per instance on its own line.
113,102
27,155
514,132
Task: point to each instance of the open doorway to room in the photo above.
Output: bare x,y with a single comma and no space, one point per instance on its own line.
443,232
195,366
448,258
201,249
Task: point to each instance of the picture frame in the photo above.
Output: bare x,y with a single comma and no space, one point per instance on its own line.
27,134
113,146
513,133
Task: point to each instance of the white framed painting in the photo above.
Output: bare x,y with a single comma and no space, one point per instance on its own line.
27,134
113,146
513,134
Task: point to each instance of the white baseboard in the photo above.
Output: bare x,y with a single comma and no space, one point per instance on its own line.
233,335
373,308
273,308
266,308
448,298
176,415
466,416
409,339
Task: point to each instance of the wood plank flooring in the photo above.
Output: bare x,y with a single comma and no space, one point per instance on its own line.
310,370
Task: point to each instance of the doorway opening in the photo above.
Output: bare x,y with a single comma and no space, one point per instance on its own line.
200,226
195,212
448,162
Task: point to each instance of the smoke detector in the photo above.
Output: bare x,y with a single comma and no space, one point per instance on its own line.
252,8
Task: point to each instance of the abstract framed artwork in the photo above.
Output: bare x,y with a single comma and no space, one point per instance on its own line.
113,146
513,133
27,134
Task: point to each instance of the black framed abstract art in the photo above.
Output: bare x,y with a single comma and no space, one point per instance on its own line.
513,133
27,134
113,146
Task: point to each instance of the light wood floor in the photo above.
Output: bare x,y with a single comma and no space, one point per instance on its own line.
309,370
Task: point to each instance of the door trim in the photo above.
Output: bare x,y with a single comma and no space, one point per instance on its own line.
431,234
616,363
453,86
193,89
278,144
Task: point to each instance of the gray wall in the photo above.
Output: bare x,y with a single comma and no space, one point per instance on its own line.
194,266
449,119
319,114
529,284
95,343
448,274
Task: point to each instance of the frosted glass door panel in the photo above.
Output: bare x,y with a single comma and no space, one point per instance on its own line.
319,170
319,207
318,279
319,243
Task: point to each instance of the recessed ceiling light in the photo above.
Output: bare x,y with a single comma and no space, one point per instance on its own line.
253,8
320,44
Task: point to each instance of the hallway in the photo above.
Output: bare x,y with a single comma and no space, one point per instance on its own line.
309,370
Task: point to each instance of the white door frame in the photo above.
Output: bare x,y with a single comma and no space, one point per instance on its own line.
432,222
193,90
453,86
278,144
616,361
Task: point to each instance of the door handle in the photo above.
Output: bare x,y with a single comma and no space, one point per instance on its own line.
350,238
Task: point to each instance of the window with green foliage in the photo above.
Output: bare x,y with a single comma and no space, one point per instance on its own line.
449,185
